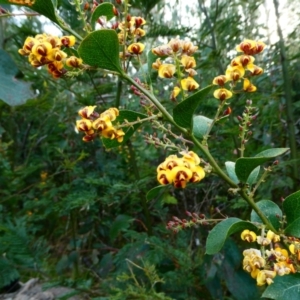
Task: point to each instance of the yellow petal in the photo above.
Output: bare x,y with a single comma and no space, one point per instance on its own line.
189,84
136,48
175,93
248,86
235,73
86,111
68,41
164,177
166,71
220,80
222,94
188,62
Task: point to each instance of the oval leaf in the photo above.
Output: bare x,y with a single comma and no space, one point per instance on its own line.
130,116
101,49
230,168
183,112
155,192
282,285
245,165
218,235
103,9
200,126
293,228
12,90
43,7
291,207
272,212
253,176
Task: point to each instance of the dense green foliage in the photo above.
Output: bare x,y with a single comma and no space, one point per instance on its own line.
78,214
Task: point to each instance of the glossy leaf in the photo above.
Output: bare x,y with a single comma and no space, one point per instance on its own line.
155,192
43,7
103,10
13,91
230,168
201,125
245,165
218,235
101,49
184,111
253,176
239,283
293,229
291,207
130,116
271,210
284,288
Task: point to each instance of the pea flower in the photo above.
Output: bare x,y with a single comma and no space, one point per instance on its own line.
265,276
235,73
166,71
175,93
188,62
249,236
251,47
220,80
189,84
136,48
248,86
222,94
242,60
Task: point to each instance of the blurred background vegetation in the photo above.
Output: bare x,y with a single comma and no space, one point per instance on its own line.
75,214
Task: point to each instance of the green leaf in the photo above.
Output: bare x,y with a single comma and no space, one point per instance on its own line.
130,116
239,283
12,90
200,125
293,228
183,112
284,288
103,9
218,235
253,176
122,222
245,165
155,192
101,49
43,7
230,168
291,293
272,212
8,272
168,199
291,207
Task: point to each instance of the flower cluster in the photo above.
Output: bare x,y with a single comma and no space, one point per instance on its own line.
241,68
265,265
22,2
44,49
180,54
180,171
93,124
130,33
177,224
